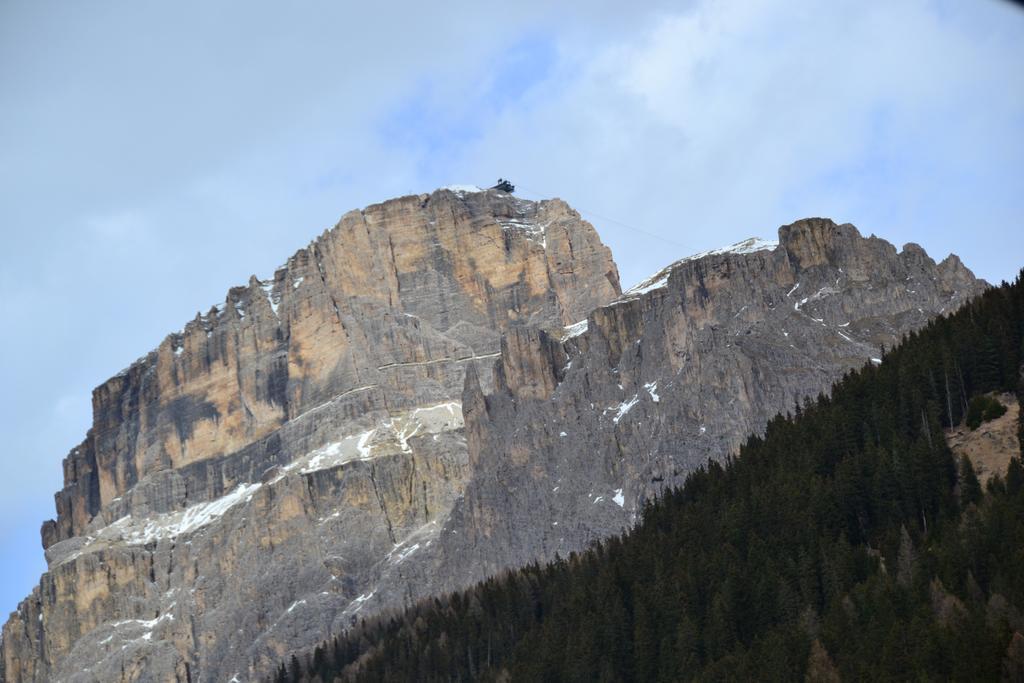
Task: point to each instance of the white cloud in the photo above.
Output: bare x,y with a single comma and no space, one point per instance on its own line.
728,119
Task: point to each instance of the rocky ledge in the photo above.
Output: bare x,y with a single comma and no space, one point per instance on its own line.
583,427
244,485
440,387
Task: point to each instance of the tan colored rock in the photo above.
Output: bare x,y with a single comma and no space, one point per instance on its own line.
679,370
298,458
246,484
531,363
397,296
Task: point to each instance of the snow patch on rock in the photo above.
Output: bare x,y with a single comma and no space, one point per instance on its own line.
386,439
575,330
625,407
462,189
660,279
129,530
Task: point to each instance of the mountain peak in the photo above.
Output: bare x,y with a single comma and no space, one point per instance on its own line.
393,414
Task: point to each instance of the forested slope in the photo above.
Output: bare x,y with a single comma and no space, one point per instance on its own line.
846,543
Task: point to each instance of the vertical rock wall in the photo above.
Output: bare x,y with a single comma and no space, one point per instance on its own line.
246,483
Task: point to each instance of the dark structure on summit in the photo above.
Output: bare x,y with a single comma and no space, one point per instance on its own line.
504,186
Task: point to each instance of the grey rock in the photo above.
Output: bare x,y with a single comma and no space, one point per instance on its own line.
579,433
421,410
246,485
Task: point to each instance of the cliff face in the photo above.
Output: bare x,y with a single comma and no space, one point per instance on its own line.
246,481
439,388
580,431
390,303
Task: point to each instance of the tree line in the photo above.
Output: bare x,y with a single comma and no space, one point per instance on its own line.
847,543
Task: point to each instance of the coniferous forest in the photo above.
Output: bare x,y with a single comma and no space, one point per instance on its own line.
847,543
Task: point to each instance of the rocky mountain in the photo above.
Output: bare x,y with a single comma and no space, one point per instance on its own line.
242,483
847,542
581,430
438,388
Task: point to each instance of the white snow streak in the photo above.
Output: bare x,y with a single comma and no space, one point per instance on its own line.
462,189
576,329
438,360
407,552
625,407
129,530
384,439
268,291
532,231
170,525
660,279
147,625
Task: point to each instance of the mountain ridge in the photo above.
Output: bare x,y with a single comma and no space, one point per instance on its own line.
375,322
848,542
347,500
578,434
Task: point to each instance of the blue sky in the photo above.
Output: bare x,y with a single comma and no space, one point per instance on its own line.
151,157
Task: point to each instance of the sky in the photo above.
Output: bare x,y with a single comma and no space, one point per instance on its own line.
152,155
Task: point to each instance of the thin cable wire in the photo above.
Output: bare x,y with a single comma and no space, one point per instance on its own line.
611,220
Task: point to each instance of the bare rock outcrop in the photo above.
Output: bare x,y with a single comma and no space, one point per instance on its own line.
679,370
246,484
439,388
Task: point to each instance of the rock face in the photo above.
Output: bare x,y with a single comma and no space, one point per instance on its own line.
390,303
580,431
244,485
411,405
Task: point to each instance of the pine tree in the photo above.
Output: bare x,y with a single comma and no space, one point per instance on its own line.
295,672
970,488
815,552
1015,476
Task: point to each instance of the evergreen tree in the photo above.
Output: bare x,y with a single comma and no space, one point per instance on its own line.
845,543
970,488
295,672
